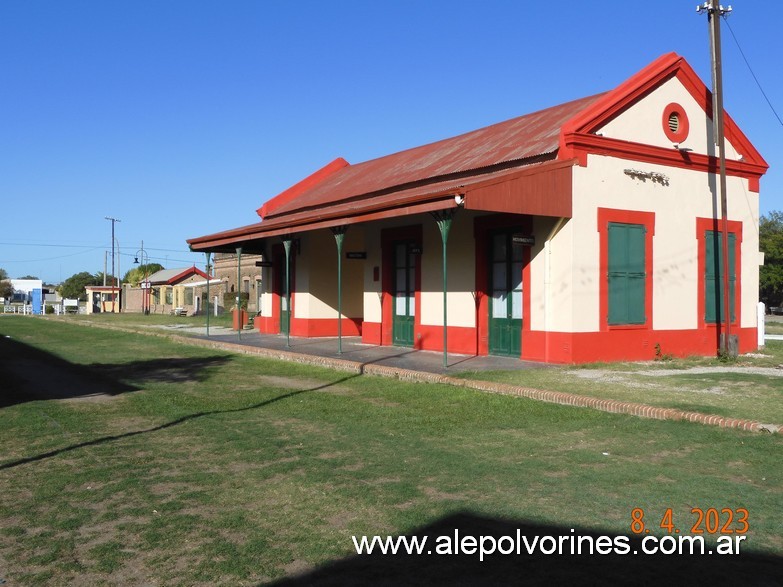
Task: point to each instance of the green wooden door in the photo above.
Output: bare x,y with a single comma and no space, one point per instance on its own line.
626,274
713,286
404,310
505,305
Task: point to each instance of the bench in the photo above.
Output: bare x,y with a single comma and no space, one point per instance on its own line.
179,312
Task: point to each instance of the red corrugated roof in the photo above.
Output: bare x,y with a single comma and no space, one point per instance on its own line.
524,137
437,195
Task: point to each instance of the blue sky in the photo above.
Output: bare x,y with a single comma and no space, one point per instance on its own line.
180,118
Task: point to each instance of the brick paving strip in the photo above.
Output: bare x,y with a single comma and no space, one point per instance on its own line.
554,397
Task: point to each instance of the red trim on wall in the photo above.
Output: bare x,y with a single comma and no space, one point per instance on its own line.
483,226
582,145
702,226
647,219
577,139
627,345
462,339
314,327
389,236
309,327
266,324
371,332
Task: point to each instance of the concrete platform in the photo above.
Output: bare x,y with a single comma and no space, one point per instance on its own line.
389,356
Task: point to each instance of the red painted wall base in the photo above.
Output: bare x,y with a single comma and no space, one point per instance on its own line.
429,338
627,345
546,347
310,327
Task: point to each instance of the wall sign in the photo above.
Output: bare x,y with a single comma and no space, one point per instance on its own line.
521,239
356,255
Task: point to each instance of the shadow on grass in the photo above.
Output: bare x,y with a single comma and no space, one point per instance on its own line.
28,373
539,568
177,422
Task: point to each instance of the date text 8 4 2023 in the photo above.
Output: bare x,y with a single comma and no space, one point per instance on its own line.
710,521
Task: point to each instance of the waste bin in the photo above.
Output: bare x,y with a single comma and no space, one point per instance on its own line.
240,319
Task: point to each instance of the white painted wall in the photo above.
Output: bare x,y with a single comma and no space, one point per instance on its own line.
690,194
315,288
642,122
371,298
461,273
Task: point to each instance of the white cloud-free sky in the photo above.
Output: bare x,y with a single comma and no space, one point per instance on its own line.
182,117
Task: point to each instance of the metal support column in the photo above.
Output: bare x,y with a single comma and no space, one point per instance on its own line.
240,325
339,236
209,278
287,247
443,219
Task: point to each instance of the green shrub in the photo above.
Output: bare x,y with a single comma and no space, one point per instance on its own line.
230,300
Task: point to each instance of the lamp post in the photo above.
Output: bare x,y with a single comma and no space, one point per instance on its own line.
209,278
146,286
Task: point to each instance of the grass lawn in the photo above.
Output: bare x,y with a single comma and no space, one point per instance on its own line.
162,463
750,387
141,322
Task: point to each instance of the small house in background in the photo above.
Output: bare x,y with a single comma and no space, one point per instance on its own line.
589,231
167,291
103,298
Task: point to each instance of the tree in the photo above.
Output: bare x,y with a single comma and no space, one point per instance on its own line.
771,244
73,287
6,289
29,277
136,275
99,279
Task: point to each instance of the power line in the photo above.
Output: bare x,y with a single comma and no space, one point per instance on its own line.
758,83
51,258
89,247
167,259
51,245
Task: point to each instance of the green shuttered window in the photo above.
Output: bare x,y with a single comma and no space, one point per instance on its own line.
713,289
627,277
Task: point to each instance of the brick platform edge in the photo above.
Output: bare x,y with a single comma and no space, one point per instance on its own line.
554,397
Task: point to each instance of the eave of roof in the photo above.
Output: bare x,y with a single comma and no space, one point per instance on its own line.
418,200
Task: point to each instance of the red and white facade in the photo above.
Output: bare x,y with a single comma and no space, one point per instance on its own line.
553,183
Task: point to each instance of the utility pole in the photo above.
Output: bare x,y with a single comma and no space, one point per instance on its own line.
714,11
113,281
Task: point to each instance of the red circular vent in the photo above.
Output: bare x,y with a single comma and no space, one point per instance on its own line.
675,123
